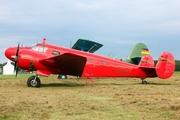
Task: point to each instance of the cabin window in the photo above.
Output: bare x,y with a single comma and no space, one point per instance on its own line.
103,62
39,48
55,52
35,48
90,60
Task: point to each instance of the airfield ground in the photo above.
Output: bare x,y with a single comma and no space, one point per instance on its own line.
108,99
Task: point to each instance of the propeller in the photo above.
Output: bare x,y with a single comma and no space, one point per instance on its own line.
16,60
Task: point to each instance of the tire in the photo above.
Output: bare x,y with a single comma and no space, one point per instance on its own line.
31,82
62,76
144,82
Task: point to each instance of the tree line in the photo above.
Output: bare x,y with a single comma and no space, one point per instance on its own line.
177,65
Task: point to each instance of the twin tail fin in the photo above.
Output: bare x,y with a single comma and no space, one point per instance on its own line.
164,68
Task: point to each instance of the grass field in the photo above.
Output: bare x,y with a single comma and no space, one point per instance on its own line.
108,99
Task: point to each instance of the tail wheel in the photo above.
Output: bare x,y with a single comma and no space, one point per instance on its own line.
33,81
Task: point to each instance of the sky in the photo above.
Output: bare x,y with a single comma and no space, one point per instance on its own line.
117,24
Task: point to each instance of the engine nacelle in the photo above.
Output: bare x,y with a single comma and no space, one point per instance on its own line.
24,63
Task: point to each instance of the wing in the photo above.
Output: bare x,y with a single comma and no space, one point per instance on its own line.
67,63
86,45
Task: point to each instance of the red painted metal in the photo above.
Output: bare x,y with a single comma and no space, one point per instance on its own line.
49,59
165,66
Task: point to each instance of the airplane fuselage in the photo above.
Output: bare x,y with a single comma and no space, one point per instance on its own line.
80,61
93,65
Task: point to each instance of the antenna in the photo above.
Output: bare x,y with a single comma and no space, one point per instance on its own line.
109,54
44,41
116,56
71,44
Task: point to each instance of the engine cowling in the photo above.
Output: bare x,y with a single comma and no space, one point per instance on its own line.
24,62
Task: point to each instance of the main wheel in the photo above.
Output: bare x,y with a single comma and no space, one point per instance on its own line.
144,81
33,81
62,76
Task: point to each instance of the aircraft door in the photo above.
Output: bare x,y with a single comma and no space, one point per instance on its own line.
89,70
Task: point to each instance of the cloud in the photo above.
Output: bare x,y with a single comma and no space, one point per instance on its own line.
118,24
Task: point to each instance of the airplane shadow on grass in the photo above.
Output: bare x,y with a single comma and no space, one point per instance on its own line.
71,84
62,85
158,84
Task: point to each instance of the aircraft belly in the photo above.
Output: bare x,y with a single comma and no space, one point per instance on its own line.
108,71
116,71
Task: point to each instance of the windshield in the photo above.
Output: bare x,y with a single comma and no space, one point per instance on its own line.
40,48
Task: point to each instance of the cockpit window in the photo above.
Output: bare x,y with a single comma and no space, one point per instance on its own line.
30,46
39,48
35,48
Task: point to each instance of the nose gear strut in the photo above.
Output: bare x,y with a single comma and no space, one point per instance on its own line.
33,81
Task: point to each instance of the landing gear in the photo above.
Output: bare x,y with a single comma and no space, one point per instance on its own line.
144,81
60,76
33,81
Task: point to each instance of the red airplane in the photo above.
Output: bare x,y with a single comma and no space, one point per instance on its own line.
81,61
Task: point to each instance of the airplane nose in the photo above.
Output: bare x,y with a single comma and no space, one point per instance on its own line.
9,52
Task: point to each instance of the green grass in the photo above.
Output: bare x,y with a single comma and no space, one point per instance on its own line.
19,76
14,77
177,72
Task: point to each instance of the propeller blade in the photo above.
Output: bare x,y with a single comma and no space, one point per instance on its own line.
17,52
16,71
15,65
16,60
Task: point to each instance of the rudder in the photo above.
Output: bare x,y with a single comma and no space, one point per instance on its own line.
146,62
165,66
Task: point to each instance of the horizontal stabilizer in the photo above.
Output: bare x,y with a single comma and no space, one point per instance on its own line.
165,66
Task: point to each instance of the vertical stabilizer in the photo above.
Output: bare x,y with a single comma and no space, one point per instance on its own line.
137,52
165,66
